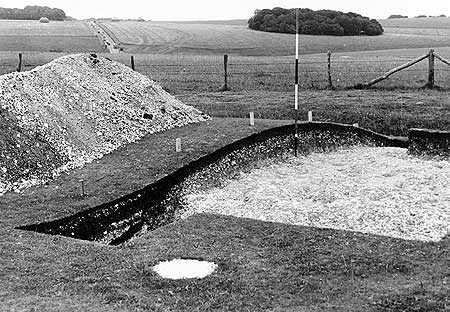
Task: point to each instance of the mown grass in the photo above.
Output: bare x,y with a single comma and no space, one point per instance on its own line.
263,266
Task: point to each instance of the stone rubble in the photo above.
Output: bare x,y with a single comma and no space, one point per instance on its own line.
73,110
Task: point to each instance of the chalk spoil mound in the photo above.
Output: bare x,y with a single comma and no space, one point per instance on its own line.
73,110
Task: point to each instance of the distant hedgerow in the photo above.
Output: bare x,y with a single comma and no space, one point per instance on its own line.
323,22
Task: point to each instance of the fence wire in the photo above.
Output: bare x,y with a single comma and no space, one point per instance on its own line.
276,75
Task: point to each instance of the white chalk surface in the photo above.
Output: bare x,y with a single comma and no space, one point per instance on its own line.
184,268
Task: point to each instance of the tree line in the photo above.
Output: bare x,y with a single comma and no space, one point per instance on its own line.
32,13
322,22
418,16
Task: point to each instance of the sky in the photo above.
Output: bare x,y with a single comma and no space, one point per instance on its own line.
172,10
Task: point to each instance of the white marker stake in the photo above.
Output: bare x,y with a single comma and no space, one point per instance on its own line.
82,188
310,116
252,118
296,82
178,145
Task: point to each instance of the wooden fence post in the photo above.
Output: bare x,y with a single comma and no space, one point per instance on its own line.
19,68
330,83
132,62
431,70
225,69
393,71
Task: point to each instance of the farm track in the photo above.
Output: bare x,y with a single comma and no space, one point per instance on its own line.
108,38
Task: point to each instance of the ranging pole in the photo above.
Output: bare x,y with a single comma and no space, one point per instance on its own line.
296,82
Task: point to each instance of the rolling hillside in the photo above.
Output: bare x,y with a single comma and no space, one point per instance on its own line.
213,37
209,38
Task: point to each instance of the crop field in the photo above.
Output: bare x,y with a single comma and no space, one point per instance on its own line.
56,36
206,39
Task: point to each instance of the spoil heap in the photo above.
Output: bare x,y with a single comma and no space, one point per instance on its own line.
73,110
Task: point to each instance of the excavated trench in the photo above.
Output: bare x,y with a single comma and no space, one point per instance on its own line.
160,203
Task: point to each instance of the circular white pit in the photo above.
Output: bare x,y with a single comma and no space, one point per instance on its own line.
184,268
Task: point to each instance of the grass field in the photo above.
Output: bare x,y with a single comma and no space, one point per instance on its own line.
184,73
191,73
67,36
429,22
387,112
187,56
419,31
263,266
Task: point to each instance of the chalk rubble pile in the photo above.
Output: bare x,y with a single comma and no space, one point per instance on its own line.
73,110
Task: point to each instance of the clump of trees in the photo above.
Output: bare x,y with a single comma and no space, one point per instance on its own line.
397,16
322,22
425,16
32,13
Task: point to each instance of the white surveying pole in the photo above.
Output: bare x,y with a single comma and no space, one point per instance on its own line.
296,81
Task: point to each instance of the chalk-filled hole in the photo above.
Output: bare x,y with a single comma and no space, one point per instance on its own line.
184,268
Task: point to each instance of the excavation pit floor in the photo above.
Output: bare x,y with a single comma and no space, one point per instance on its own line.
383,191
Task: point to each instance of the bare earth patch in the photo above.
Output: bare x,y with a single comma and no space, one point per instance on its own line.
374,190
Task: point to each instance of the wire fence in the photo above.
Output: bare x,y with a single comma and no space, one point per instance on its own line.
199,74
